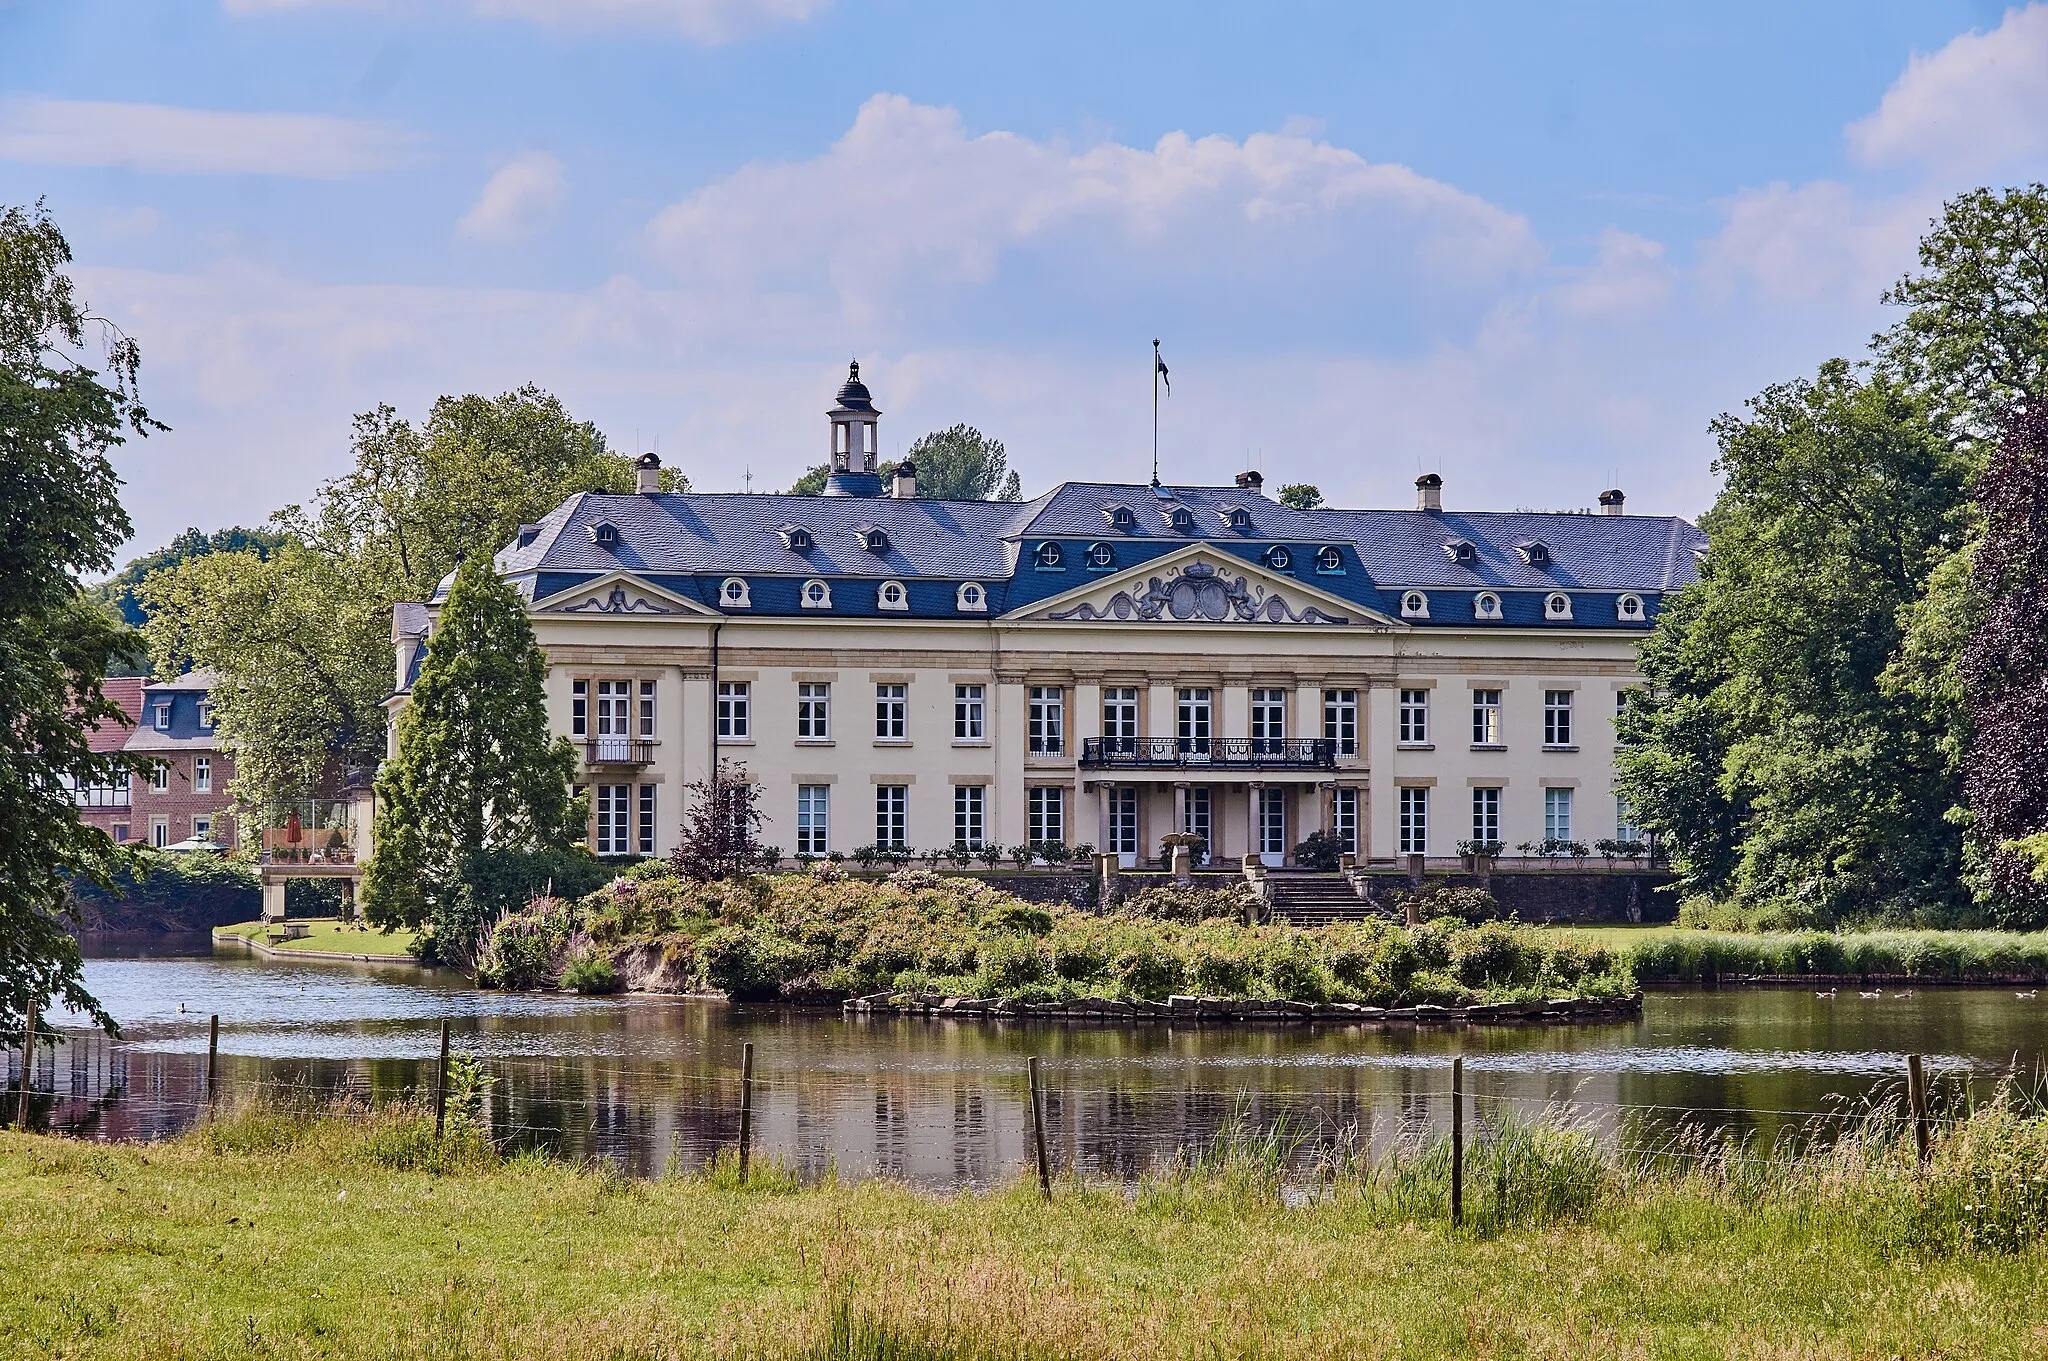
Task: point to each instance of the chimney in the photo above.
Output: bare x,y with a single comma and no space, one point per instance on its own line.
1610,501
647,473
1252,482
903,484
1429,492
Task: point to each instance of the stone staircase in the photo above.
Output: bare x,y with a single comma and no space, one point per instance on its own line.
1308,898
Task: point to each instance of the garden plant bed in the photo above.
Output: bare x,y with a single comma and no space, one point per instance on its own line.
1183,1010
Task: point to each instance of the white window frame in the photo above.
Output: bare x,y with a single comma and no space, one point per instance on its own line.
1486,718
734,595
206,715
1557,814
159,832
899,602
1046,720
1414,605
612,819
892,711
1123,822
735,711
814,595
892,815
1344,817
814,711
1557,718
971,598
1413,729
202,775
163,715
579,708
1340,720
1269,721
1272,824
1194,718
614,708
202,826
1120,719
813,819
1045,814
1625,829
160,777
970,713
970,814
1486,813
1413,819
645,818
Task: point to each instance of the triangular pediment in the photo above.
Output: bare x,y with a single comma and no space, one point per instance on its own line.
1198,585
620,593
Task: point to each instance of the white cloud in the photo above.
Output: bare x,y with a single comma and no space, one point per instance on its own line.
1979,103
907,202
1628,277
517,201
704,21
1817,241
165,140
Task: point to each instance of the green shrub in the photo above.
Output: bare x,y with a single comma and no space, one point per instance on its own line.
591,973
1012,962
1190,904
1035,921
1218,968
1077,955
748,966
1146,969
1290,967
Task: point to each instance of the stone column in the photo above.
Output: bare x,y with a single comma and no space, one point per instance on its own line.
1256,796
1006,725
1377,833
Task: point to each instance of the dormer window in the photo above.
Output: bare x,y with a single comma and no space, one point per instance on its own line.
1048,558
1557,605
892,596
1279,559
875,541
971,598
1120,518
206,715
733,594
605,535
1238,518
1182,520
527,534
1628,609
163,716
1535,552
815,595
1462,551
1330,560
1414,605
1486,605
1101,557
795,538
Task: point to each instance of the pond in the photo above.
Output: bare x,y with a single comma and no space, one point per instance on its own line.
643,1080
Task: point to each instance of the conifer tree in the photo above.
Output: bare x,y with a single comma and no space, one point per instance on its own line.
474,812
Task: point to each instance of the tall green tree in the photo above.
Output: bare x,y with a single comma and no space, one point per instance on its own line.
476,779
1301,495
120,592
1771,752
60,518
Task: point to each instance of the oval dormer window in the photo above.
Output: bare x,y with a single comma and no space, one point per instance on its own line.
733,594
971,596
1329,559
1414,605
1101,557
1486,605
1279,559
816,595
875,541
1240,518
1047,557
1182,521
892,596
1629,609
1557,605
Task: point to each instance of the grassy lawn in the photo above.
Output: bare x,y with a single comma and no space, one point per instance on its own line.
1610,937
268,1237
330,935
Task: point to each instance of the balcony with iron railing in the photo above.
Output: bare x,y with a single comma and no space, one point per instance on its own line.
1213,753
618,751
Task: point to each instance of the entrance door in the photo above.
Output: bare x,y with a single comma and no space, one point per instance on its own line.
1197,821
1272,826
1123,826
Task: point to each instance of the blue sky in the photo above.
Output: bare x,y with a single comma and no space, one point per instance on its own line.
1535,248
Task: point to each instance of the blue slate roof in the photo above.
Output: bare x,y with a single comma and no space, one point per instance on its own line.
689,543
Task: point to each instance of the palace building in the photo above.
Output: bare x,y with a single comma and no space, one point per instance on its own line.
1105,664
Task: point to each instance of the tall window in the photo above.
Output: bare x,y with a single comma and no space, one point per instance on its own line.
202,775
1196,819
969,714
813,819
159,832
1272,821
614,701
614,813
970,807
1486,719
891,704
1048,722
1344,818
1485,814
735,702
647,819
1414,716
1557,814
1625,828
647,708
813,711
1193,720
206,715
1123,820
160,776
579,708
1045,810
1414,819
892,814
1120,720
1340,720
1269,721
1557,718
163,715
202,829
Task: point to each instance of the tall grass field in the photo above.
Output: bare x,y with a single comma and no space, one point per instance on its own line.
280,1232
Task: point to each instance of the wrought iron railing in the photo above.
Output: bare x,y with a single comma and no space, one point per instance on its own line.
617,751
1229,753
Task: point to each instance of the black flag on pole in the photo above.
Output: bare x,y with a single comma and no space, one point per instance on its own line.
1159,366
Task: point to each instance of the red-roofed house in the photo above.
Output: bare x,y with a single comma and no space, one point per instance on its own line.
108,807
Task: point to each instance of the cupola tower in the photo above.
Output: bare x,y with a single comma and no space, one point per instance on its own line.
855,450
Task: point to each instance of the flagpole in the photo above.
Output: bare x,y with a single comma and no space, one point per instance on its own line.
1155,413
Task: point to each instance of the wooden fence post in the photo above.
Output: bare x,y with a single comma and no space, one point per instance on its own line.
1457,1141
746,1106
1038,1131
441,1087
1916,1097
212,1057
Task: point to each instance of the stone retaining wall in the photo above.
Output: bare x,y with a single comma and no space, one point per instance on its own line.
1237,1011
